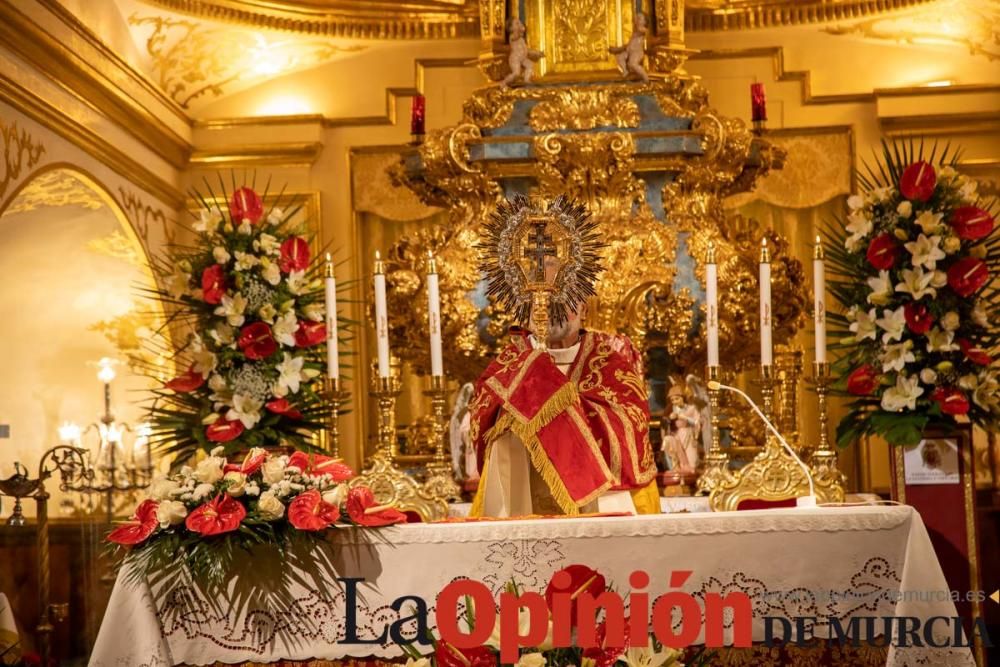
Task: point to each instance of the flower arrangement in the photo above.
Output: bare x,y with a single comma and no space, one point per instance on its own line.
200,513
247,290
913,262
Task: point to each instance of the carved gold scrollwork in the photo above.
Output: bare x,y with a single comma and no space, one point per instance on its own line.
20,152
142,215
584,109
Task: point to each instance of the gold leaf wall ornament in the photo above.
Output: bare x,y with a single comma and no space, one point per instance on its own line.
117,246
142,216
584,109
55,188
20,152
193,59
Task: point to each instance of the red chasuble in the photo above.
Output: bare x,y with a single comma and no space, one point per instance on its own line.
586,431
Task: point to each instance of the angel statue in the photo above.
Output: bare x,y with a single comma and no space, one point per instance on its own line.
630,56
681,431
463,454
521,58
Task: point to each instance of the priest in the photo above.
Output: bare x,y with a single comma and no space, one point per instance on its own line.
563,428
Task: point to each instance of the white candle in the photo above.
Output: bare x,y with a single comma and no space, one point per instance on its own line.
332,350
766,358
434,316
381,318
712,306
819,300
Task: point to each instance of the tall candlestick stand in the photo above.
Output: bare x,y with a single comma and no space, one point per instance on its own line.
824,458
440,477
716,460
337,395
389,484
766,383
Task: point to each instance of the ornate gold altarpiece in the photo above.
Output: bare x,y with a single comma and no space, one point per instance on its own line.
653,161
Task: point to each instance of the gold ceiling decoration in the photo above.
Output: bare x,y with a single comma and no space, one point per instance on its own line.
20,151
971,24
194,59
55,188
713,15
355,19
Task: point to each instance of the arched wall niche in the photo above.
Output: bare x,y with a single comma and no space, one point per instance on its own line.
72,264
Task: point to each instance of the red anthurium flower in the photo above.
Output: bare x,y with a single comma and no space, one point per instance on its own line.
918,318
882,251
281,406
294,255
951,399
971,223
967,275
310,512
976,355
223,430
246,205
363,511
317,464
863,380
257,341
581,579
222,514
310,333
251,462
446,655
602,655
141,526
213,284
187,382
918,181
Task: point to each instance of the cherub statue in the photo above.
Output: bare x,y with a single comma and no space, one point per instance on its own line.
630,56
681,429
521,58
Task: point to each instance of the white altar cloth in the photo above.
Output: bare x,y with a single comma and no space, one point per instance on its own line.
792,563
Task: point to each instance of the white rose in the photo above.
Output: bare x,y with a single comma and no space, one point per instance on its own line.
855,202
220,254
952,244
170,513
950,321
269,507
245,227
209,470
237,483
978,315
939,279
162,488
928,376
947,172
336,495
273,470
905,209
531,660
968,381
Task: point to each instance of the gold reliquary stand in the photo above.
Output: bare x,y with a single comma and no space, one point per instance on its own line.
773,475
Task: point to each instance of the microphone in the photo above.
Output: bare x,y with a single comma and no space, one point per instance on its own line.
804,501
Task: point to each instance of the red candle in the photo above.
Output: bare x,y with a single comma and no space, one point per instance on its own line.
758,103
417,115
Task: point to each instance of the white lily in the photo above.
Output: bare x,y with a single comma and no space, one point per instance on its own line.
894,357
903,394
978,315
854,243
987,393
178,283
929,221
855,202
940,340
297,283
268,244
925,251
859,224
893,322
245,260
645,657
222,334
864,325
917,284
968,191
290,373
246,409
204,362
315,312
232,308
881,289
284,329
207,222
270,271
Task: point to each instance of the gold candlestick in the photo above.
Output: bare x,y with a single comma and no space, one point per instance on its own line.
824,458
766,383
440,478
389,484
716,470
337,395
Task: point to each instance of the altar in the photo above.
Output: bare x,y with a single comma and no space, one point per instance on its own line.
826,571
